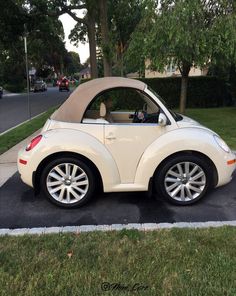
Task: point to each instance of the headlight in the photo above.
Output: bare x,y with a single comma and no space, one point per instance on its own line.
221,143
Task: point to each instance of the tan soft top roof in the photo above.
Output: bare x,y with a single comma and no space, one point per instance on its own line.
72,110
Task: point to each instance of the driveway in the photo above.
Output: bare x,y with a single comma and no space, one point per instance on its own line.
19,208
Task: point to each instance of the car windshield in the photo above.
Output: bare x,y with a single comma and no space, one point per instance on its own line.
176,116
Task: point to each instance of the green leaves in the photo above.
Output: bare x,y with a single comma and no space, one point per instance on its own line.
197,32
189,33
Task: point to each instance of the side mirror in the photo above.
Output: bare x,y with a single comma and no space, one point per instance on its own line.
162,120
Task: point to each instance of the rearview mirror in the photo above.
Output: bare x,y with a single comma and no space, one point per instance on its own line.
162,120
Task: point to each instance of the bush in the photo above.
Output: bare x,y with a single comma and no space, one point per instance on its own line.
83,80
203,91
16,87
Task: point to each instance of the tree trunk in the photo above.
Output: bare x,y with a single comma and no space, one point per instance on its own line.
105,38
121,65
92,47
184,85
183,94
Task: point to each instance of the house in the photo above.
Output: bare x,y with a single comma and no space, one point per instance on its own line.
85,73
172,70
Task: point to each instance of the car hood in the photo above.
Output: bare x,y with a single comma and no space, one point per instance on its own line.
189,122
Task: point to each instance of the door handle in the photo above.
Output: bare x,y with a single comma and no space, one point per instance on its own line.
111,137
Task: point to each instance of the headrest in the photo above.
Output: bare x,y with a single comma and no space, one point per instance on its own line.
103,110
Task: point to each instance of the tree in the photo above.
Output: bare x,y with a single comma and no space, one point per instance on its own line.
11,46
73,64
87,23
115,22
188,33
46,49
106,46
124,16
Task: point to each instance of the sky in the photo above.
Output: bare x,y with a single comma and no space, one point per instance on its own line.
82,49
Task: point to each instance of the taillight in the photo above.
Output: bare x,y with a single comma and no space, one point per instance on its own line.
33,143
67,82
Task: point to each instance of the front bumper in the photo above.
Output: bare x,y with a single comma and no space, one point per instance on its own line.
225,168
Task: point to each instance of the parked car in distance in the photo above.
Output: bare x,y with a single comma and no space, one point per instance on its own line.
90,143
64,84
39,85
1,92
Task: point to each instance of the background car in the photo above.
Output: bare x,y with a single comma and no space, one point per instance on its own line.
90,143
40,85
64,84
1,92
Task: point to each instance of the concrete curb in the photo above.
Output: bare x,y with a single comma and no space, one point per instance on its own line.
113,227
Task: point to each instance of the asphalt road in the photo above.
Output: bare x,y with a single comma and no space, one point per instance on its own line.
14,107
19,208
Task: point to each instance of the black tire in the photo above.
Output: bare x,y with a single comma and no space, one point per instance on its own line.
82,167
163,175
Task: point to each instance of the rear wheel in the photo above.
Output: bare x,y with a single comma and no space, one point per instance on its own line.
184,179
68,182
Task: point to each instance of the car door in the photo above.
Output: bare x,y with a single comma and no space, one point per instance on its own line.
127,143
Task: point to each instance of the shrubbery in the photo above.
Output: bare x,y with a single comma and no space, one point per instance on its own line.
15,87
203,91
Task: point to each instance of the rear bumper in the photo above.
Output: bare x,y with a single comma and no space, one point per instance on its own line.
25,170
64,88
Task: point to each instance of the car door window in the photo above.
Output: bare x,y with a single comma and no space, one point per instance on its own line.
122,105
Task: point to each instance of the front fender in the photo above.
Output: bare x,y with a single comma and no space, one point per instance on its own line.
76,141
179,140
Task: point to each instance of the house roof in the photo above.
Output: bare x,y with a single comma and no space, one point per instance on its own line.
72,110
85,71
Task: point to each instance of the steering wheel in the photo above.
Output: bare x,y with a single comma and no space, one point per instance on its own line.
139,116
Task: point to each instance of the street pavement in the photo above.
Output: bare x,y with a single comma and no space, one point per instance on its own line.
19,208
14,107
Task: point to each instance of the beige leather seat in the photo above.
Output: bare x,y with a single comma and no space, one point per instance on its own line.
102,113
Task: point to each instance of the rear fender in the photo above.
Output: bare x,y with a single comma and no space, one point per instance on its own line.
81,143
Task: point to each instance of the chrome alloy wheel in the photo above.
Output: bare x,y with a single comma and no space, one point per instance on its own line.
185,181
67,183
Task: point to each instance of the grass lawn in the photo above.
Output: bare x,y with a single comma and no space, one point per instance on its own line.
21,132
166,262
221,120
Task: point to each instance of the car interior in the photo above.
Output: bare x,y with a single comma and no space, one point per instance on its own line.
122,105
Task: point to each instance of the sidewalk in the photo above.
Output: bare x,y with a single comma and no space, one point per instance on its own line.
8,160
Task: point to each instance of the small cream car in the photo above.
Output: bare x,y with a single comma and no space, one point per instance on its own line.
117,134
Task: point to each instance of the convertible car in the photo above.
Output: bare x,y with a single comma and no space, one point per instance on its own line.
117,134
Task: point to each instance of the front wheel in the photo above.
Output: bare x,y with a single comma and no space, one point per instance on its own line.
68,182
183,180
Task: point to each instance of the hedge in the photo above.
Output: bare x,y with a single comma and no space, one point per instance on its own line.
203,91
